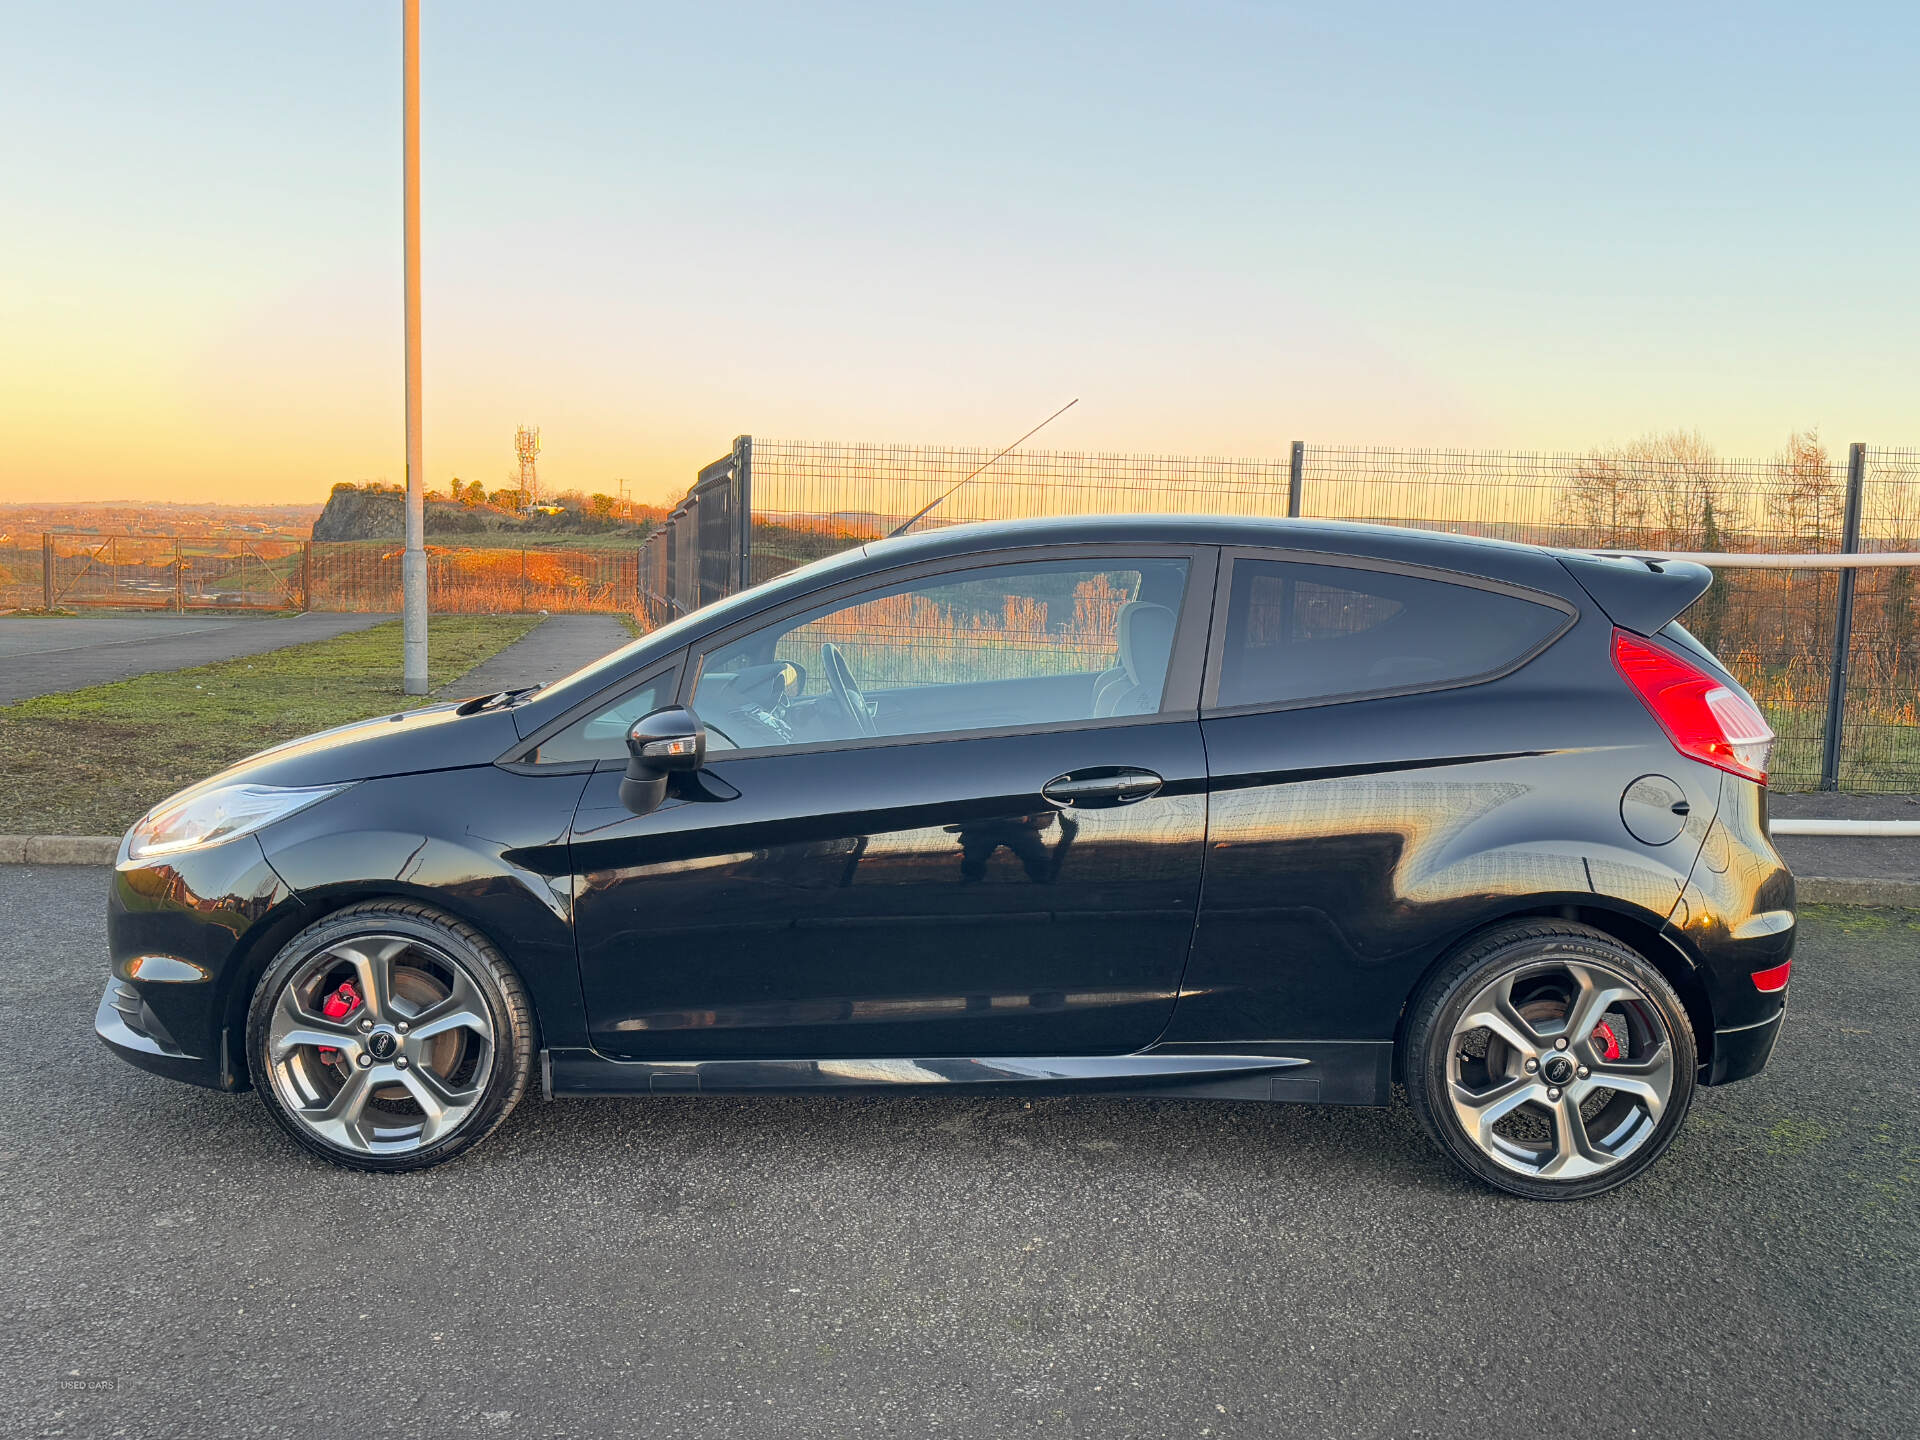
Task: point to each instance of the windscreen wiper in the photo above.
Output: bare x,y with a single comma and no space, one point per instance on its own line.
498,700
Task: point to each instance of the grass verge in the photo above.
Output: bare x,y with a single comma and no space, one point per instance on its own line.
90,762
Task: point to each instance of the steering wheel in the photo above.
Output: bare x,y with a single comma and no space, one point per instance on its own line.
846,690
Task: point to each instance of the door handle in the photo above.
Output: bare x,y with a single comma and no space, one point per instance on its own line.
1110,787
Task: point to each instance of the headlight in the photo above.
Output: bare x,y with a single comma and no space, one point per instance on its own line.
206,817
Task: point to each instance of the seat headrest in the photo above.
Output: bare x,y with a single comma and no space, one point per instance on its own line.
1146,640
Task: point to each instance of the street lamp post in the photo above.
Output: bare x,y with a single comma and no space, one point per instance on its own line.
413,562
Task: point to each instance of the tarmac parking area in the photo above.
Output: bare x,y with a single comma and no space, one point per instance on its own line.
940,1266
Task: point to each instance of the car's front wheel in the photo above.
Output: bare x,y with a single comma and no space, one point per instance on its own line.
389,1036
1550,1060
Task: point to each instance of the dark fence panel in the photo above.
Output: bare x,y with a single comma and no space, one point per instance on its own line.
693,559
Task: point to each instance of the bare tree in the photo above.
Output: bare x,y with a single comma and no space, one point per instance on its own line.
1805,496
1657,491
1606,502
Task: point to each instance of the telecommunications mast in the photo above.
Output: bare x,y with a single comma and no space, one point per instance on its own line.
526,445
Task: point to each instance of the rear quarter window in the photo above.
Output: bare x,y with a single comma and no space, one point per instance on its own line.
1297,633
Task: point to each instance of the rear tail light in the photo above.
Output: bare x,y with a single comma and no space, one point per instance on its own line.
1703,717
1768,981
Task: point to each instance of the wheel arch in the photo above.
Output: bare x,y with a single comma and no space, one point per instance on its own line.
1639,929
256,949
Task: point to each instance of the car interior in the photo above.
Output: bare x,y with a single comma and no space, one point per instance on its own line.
1007,646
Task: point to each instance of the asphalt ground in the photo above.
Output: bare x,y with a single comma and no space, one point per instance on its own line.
39,656
946,1266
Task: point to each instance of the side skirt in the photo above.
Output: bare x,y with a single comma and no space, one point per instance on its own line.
1311,1072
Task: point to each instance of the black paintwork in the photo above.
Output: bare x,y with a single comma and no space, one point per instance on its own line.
871,926
895,912
1639,595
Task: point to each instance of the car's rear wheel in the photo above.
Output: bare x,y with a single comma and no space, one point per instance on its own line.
389,1037
1550,1060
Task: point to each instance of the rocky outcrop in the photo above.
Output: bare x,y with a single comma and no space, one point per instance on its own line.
356,512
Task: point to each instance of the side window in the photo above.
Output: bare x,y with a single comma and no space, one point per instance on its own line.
603,734
1303,632
997,646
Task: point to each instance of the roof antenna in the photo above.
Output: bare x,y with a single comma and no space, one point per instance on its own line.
928,508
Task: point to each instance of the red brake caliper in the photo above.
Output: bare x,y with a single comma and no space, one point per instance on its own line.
337,1006
1608,1042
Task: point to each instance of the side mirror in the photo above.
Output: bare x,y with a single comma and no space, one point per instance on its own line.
666,743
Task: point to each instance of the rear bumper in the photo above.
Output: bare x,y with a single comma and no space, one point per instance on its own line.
1743,1052
1735,919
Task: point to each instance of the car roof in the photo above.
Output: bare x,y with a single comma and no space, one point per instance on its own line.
1347,536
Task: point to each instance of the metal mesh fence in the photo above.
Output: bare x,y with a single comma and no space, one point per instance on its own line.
361,575
797,502
1880,738
150,572
811,500
1776,628
72,571
1619,499
19,572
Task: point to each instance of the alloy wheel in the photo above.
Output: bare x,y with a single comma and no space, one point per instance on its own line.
1560,1070
380,1044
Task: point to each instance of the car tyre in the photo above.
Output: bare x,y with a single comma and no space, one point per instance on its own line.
390,1036
1550,1060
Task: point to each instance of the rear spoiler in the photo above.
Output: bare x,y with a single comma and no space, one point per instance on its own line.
1638,594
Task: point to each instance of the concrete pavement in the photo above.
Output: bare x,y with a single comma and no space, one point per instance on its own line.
554,648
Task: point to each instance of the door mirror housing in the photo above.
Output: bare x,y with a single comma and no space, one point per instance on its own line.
660,745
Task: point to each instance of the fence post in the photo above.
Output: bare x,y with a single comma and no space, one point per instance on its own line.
743,499
1296,479
523,582
306,576
179,581
46,572
1843,623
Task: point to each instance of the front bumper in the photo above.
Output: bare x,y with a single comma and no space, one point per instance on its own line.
179,935
129,1028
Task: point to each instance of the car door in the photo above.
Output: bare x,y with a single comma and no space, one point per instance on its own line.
952,811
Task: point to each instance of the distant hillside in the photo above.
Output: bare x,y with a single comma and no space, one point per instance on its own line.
127,517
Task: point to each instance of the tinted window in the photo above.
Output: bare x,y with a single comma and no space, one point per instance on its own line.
603,734
1301,632
995,646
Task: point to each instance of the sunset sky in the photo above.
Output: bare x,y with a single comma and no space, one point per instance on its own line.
651,227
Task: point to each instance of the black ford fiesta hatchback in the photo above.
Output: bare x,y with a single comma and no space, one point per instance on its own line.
1255,810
